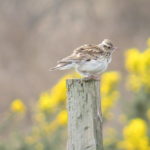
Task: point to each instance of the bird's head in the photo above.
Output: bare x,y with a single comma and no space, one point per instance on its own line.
107,45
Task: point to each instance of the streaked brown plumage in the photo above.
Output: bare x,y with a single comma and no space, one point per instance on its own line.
89,60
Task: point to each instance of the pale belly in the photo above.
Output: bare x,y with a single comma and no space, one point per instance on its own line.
92,67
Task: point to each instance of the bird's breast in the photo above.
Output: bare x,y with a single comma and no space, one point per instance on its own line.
93,66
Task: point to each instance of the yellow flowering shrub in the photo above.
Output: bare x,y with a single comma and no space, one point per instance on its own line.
49,101
138,66
109,93
134,82
135,136
62,117
133,57
18,106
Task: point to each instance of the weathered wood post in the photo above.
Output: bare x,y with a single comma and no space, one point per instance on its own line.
85,118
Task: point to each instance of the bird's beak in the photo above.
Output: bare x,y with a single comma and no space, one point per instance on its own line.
115,48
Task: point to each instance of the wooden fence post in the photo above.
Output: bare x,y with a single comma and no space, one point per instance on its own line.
84,115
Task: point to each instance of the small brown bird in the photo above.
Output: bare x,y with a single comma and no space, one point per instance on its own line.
88,60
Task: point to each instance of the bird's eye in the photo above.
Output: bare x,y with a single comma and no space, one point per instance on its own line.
107,47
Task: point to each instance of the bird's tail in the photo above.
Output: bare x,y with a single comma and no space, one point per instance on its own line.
62,66
54,68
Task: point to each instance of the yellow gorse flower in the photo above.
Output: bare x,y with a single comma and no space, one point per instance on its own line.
109,81
18,106
136,128
109,94
138,65
48,101
62,118
132,60
134,83
135,136
108,101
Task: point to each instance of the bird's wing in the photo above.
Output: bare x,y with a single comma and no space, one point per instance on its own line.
85,52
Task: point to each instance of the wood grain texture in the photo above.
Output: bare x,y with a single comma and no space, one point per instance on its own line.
85,118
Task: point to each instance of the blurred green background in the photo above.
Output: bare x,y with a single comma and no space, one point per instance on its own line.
34,34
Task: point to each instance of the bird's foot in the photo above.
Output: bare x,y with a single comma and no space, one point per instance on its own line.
92,77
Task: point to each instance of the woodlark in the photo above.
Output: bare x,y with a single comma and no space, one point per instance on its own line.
88,60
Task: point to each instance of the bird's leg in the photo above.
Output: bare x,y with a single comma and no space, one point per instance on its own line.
87,78
95,77
92,77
